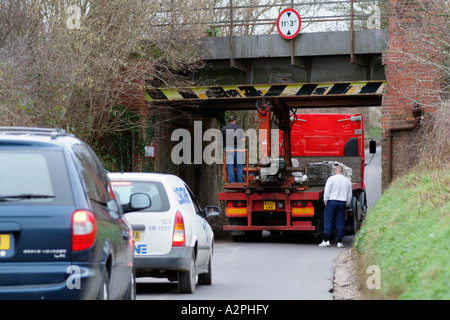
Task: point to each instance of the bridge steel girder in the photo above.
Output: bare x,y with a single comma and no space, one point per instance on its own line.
301,95
310,57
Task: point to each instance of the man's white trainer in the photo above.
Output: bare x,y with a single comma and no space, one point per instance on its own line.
324,243
340,245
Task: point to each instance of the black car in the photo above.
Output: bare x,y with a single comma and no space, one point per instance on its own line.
62,233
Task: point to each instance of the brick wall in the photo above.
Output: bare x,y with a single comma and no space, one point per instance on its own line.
409,83
133,97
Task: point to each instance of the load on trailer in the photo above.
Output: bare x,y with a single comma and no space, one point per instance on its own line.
285,193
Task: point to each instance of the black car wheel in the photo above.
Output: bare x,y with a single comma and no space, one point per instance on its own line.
131,292
103,294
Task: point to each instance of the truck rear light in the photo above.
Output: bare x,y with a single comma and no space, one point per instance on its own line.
238,203
236,208
231,211
307,210
84,230
178,238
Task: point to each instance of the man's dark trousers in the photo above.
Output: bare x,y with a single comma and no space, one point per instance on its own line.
334,210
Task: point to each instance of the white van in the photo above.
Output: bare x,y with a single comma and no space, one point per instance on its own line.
172,237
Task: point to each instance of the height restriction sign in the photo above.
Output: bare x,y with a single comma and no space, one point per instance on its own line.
289,23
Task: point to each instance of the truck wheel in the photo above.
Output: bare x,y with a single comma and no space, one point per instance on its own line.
363,202
186,280
357,214
353,224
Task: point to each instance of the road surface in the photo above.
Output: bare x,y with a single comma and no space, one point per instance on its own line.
273,269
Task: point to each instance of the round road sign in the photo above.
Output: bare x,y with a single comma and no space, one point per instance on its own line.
289,23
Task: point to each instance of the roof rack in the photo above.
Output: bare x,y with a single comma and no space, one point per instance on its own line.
53,132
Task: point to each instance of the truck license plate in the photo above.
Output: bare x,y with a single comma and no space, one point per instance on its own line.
4,242
269,205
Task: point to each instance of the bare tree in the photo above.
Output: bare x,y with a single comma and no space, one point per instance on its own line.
425,26
423,58
69,63
253,17
366,14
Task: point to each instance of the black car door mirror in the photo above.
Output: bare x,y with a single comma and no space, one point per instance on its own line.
372,146
138,201
211,211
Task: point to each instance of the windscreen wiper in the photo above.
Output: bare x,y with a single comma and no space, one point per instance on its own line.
25,196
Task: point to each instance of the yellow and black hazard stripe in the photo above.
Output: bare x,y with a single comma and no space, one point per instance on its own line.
267,91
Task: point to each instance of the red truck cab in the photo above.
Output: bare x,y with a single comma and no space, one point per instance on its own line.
330,137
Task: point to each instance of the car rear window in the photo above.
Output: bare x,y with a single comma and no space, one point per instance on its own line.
34,176
155,190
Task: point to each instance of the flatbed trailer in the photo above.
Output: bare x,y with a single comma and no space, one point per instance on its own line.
282,204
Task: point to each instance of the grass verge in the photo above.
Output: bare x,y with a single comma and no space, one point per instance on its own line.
407,235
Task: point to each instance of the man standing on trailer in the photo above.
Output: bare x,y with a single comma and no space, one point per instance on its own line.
337,196
233,138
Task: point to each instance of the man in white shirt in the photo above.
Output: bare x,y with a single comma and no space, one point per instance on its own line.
337,196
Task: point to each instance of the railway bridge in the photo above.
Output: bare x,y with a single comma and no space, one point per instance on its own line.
342,69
